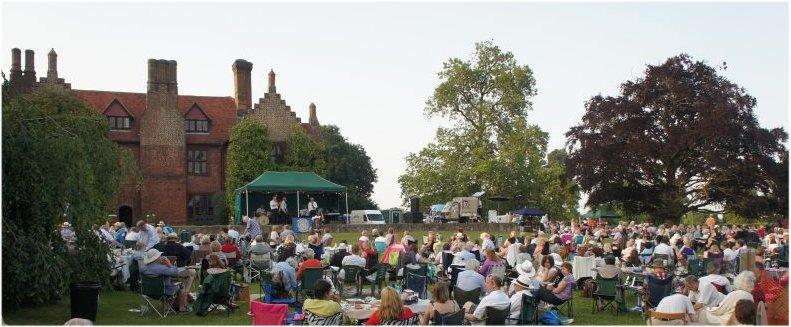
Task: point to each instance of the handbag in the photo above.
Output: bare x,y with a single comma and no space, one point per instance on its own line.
550,318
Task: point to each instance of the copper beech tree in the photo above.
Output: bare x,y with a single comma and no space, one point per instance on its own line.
680,138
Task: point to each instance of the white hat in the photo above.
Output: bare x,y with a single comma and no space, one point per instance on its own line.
459,235
66,224
342,246
522,280
526,269
151,256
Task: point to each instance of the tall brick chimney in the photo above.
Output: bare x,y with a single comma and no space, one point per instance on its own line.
272,88
16,65
163,145
30,68
52,67
242,86
312,120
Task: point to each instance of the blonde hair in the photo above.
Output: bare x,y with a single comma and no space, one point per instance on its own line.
215,246
289,239
391,307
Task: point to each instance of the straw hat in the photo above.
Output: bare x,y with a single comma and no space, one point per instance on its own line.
526,269
522,280
161,223
151,256
66,224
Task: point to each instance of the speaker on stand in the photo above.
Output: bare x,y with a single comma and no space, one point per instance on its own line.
414,206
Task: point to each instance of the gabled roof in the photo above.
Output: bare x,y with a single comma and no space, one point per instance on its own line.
116,109
196,112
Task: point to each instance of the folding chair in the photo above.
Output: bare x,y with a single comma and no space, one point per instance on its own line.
451,319
606,290
417,283
266,314
422,270
695,268
351,274
153,289
214,293
666,317
497,317
381,272
569,305
315,320
307,281
411,321
454,274
197,256
656,289
447,260
528,314
462,296
258,263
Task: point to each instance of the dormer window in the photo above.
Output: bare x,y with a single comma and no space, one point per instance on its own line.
196,120
118,118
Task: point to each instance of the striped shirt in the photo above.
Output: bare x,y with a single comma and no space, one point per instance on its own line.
253,228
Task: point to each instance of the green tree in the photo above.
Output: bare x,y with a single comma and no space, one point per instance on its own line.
304,153
58,163
681,138
490,145
249,155
560,193
349,165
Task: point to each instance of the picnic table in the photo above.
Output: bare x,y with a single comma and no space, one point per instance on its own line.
365,310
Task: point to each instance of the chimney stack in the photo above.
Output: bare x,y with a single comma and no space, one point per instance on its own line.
52,68
162,75
30,67
242,86
272,88
312,120
16,65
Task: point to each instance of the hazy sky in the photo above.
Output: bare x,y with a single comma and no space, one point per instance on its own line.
369,67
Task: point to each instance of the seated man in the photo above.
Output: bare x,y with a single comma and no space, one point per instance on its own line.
260,253
309,262
173,248
340,253
496,298
284,279
470,279
719,282
678,303
157,265
520,285
609,270
231,251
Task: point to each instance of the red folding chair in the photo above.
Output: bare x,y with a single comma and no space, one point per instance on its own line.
265,314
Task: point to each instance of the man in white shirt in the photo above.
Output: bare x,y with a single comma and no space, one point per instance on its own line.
469,279
274,207
486,242
313,207
676,303
233,233
521,285
713,276
663,248
728,253
148,234
496,299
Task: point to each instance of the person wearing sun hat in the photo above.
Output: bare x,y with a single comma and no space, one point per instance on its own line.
157,265
521,286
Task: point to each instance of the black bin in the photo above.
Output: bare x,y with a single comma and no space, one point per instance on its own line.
85,300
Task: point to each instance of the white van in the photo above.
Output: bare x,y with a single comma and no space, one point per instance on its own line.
367,217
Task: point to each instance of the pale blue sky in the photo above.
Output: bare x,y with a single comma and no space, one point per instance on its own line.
370,66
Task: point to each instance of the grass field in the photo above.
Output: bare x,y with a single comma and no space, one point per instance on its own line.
114,306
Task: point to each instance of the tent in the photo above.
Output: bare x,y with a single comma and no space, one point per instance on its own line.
598,213
284,182
529,212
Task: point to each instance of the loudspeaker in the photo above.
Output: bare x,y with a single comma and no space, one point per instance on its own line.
414,207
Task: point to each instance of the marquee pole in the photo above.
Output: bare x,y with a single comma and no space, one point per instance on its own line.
247,202
347,203
297,203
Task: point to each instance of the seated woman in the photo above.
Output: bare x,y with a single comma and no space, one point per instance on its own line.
391,309
440,302
325,304
547,271
216,249
562,293
743,284
491,260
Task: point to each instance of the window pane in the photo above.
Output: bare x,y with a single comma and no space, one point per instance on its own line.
203,167
190,167
126,122
186,125
205,124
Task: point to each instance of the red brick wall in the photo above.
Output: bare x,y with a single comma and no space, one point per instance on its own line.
213,181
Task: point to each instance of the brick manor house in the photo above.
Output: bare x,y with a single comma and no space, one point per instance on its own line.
179,141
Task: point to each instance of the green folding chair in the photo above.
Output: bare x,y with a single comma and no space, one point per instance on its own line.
152,289
307,281
607,292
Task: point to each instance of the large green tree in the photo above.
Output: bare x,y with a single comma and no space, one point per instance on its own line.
304,153
58,164
680,138
490,145
249,155
348,164
561,194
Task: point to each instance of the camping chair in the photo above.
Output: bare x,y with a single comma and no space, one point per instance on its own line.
452,319
568,305
732,267
462,296
214,292
232,259
134,275
184,236
418,284
316,320
422,271
307,281
130,244
447,260
606,290
351,274
411,321
666,316
497,317
197,256
695,268
265,314
258,263
477,254
381,272
454,274
528,314
153,289
267,290
656,289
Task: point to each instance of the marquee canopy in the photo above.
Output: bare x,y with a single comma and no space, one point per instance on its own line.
291,181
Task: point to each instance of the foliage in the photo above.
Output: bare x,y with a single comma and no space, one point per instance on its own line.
249,155
681,138
561,193
220,207
303,153
490,145
57,163
349,165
